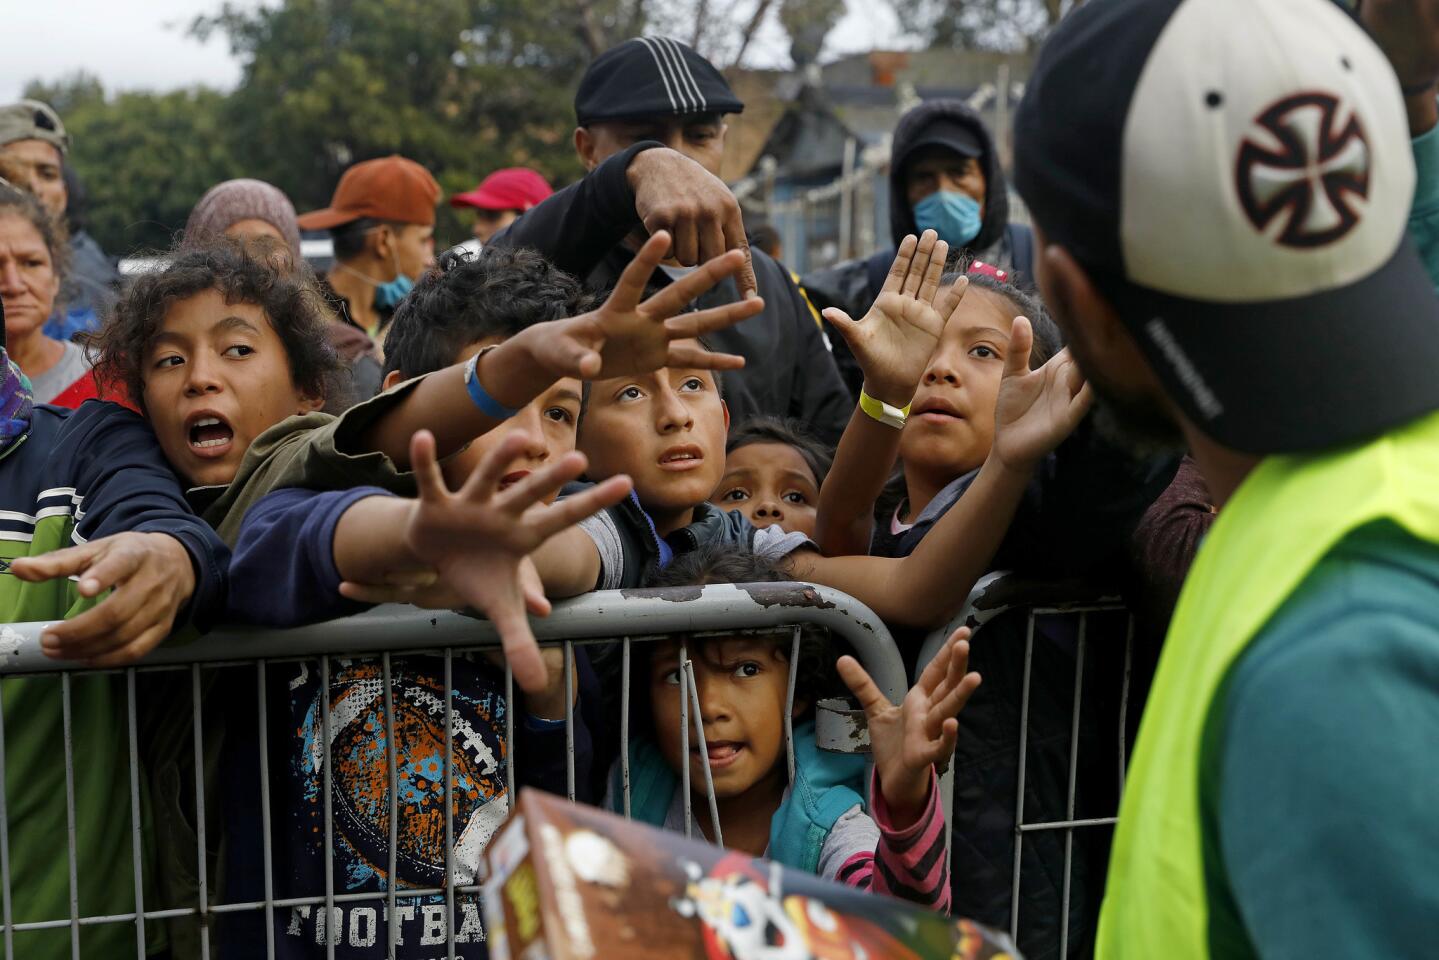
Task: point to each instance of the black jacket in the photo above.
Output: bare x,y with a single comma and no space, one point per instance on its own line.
788,371
853,285
1073,522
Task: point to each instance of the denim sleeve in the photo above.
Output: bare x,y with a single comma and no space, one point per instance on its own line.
283,572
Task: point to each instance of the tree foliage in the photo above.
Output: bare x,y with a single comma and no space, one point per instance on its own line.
145,158
1011,25
462,86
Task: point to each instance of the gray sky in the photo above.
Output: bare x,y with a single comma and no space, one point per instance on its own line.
142,44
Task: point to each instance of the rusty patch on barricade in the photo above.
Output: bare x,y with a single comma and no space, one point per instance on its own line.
785,595
841,727
672,594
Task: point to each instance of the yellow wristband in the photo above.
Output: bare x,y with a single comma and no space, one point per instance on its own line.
883,412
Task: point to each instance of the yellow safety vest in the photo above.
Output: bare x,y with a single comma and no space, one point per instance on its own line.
1283,519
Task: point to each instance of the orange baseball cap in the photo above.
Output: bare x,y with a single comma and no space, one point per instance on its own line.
389,188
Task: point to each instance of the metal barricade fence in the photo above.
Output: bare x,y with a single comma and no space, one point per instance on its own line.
388,633
1071,608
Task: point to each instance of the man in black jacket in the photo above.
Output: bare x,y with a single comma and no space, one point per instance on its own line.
944,175
651,132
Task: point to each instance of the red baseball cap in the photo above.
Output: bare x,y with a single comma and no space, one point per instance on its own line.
513,188
390,188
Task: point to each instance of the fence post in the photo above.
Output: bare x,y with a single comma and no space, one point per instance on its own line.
1001,106
846,201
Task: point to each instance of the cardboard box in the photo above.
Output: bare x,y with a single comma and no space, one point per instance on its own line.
568,882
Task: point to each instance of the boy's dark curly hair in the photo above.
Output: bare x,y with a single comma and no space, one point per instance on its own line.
815,674
466,298
292,303
787,431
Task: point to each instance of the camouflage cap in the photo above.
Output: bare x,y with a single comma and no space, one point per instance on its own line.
33,120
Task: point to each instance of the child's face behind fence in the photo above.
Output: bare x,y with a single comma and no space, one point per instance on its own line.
216,377
771,484
951,420
666,430
742,684
549,421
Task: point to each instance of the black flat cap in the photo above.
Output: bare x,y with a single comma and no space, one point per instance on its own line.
649,77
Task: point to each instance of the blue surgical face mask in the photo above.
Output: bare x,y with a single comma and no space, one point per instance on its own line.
956,217
388,295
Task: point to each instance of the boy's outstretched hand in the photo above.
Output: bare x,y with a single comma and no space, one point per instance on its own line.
152,577
1036,409
626,336
893,341
908,740
478,540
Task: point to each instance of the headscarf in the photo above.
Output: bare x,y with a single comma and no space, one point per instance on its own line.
230,202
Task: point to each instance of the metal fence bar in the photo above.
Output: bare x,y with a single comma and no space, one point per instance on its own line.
570,721
509,733
625,722
691,689
137,842
392,931
684,743
5,840
1068,824
199,731
1124,700
1019,792
1073,777
450,805
263,707
70,815
789,703
250,905
592,617
325,927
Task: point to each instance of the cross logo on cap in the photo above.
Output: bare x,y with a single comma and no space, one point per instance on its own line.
1313,170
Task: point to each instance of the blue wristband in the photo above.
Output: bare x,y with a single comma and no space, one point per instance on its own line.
487,404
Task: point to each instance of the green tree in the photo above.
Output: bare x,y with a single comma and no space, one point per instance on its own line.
1012,25
461,86
145,158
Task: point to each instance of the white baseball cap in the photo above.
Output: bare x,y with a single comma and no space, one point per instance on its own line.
1236,177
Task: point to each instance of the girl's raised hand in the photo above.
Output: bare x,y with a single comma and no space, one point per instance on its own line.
908,740
893,341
